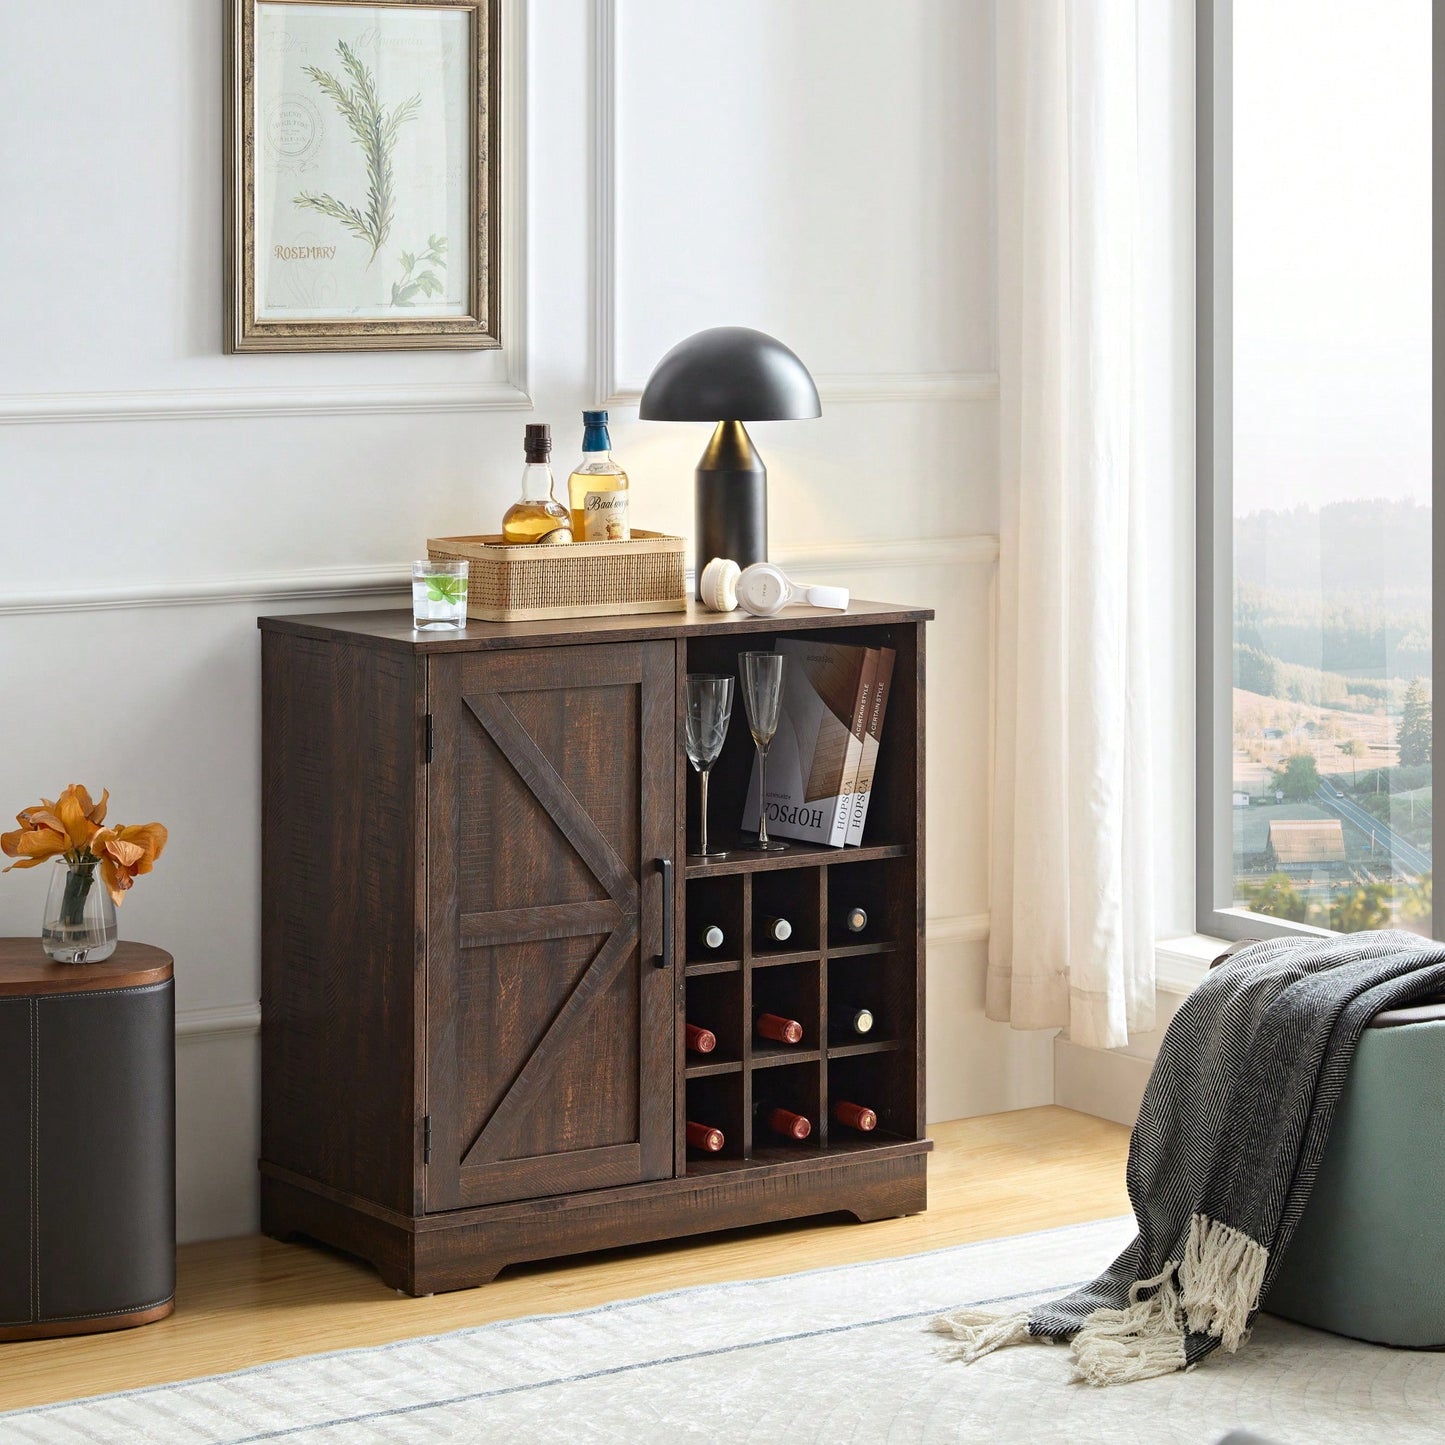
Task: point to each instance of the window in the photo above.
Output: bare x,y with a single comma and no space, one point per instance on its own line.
1315,525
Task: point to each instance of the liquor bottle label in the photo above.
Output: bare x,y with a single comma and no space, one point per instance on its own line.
606,517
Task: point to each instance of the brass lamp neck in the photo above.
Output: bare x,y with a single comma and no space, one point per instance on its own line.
730,450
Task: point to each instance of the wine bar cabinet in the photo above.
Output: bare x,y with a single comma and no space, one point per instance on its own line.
485,934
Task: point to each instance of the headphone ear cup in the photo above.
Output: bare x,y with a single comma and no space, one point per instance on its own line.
718,585
764,589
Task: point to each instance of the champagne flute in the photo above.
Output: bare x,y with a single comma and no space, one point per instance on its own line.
762,675
709,710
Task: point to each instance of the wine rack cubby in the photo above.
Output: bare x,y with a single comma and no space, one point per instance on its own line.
714,903
812,979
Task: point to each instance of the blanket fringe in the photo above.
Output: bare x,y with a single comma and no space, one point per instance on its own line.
980,1333
1143,1340
1220,1280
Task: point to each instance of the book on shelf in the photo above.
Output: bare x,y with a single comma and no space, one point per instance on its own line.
868,758
814,758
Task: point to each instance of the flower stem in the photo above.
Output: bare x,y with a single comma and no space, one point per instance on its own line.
78,882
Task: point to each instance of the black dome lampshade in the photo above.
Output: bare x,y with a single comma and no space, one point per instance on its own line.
730,375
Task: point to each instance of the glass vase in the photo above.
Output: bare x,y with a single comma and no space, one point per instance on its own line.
79,922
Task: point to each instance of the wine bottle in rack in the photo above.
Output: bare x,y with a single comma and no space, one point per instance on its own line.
845,1020
779,1030
711,938
704,1137
855,1116
853,919
775,930
700,1040
785,1122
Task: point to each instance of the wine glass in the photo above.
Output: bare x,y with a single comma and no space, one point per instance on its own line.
709,710
762,675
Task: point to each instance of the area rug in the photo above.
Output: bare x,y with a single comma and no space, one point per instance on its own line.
832,1355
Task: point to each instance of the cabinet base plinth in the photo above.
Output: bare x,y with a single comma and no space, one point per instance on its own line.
461,1249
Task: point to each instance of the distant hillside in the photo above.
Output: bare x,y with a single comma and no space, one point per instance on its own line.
1359,546
1344,589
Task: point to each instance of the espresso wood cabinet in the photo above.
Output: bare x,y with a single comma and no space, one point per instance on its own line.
480,941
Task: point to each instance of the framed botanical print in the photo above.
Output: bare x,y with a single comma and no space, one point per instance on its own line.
364,186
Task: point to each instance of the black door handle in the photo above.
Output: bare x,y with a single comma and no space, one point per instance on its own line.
664,959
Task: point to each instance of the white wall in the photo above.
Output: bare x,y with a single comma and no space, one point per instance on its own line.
812,169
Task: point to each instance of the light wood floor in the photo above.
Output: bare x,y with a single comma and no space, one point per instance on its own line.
245,1301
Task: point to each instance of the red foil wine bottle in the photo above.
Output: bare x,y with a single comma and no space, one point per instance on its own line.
788,1124
855,1116
700,1040
779,1029
704,1137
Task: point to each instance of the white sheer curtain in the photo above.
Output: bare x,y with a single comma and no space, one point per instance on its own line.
1071,888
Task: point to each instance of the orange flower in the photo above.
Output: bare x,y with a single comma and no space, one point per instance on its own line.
125,853
69,825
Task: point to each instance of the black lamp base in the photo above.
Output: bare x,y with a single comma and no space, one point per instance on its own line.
731,500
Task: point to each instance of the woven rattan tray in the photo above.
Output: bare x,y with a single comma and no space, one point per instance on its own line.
507,582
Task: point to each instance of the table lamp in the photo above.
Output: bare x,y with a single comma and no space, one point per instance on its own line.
730,375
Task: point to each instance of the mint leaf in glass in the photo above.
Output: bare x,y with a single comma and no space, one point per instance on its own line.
446,589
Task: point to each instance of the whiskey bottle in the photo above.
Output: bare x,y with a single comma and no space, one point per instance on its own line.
855,1116
704,1137
776,930
786,1122
849,1020
779,1030
598,491
537,516
700,1040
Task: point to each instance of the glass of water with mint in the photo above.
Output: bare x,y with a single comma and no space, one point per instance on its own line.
438,595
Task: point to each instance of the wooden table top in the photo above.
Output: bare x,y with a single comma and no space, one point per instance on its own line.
26,970
391,629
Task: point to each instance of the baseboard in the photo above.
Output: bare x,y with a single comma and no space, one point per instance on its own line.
1102,1082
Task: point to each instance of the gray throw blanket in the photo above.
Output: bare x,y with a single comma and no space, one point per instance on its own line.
1224,1154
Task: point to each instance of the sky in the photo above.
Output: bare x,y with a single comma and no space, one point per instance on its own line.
1332,293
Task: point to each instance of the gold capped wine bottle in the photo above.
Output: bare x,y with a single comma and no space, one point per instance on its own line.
537,515
854,919
598,491
704,1137
700,1040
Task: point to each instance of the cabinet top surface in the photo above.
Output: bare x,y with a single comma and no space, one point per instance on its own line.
26,970
393,629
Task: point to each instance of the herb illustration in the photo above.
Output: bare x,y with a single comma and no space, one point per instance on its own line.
374,129
426,281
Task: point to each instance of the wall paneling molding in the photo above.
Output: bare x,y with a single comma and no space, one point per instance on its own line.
613,391
391,580
510,393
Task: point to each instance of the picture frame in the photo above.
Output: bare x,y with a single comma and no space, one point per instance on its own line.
363,188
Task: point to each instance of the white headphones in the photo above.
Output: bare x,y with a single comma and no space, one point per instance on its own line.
762,589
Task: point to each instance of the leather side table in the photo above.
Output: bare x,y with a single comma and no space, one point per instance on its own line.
87,1141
